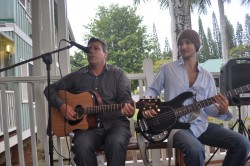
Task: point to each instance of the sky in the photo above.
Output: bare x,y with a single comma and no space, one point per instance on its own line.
80,12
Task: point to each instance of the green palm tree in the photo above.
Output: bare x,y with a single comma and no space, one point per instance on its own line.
223,26
181,18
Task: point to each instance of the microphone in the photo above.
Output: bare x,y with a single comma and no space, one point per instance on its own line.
84,49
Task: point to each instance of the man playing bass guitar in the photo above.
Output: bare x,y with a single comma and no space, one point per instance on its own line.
184,75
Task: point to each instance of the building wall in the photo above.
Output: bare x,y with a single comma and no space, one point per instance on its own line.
15,29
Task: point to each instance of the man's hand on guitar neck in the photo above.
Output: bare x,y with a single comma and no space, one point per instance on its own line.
221,102
68,112
128,110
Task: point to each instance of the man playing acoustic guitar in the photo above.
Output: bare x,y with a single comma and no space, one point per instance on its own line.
184,75
112,128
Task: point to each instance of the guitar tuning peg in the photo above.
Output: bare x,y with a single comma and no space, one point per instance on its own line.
158,110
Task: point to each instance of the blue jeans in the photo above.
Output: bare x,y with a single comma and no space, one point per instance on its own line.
236,144
115,139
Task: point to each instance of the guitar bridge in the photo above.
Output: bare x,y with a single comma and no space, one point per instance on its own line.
142,125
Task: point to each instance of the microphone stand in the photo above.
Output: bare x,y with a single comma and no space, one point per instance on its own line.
47,59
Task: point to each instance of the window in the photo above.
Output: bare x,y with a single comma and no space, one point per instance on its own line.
26,5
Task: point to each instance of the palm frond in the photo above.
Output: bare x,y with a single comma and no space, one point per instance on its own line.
201,5
138,2
164,4
245,2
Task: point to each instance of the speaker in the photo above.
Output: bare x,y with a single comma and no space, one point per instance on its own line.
234,74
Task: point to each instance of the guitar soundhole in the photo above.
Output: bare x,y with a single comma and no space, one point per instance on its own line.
79,111
79,115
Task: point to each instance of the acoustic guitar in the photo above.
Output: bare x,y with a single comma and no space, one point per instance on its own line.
86,106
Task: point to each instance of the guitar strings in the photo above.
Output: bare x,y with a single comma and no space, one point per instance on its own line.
166,116
175,113
99,109
170,115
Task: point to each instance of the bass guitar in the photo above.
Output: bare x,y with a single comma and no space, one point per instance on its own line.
158,128
86,106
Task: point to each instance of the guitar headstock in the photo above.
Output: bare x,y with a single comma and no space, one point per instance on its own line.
148,103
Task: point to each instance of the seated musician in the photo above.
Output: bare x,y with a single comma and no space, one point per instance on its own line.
184,75
113,86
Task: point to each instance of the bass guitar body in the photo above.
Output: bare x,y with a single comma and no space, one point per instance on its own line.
158,128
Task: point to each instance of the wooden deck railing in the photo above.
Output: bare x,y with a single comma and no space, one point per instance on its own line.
10,110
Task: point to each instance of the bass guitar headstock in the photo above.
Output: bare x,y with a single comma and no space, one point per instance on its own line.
148,104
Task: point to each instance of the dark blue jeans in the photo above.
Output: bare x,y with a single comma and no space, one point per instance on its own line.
115,140
236,144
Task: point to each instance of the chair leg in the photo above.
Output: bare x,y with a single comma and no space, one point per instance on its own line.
179,158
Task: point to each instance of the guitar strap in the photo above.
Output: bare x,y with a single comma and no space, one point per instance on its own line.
170,145
142,148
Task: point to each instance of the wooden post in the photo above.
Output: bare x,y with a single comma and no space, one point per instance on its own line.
148,70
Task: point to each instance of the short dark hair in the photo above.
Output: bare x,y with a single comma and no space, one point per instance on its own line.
95,39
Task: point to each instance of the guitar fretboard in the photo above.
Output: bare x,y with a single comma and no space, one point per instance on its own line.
203,103
81,111
97,109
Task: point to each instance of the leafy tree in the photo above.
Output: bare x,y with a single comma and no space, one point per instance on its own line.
157,50
212,45
167,53
159,63
230,34
239,34
241,51
127,39
78,60
247,29
157,54
204,53
180,18
216,34
223,25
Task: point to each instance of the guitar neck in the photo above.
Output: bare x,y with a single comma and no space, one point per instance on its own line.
101,108
203,103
